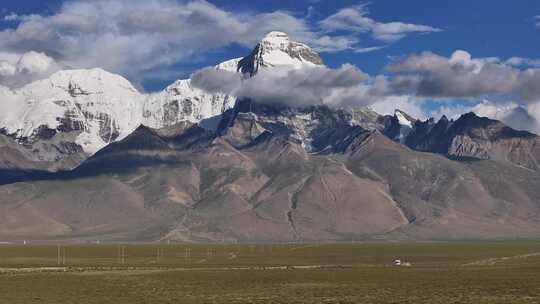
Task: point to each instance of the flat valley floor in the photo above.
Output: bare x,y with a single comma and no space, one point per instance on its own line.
433,272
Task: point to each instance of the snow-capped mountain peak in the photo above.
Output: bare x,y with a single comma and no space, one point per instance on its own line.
88,109
276,38
229,65
404,119
96,106
91,81
276,49
405,123
183,102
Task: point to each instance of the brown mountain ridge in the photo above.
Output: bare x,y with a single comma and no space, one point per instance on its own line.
279,174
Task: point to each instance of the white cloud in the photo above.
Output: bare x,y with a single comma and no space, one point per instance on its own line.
292,87
394,31
444,79
343,87
355,19
33,63
461,76
533,110
512,114
7,69
11,17
368,49
408,104
449,110
523,62
28,67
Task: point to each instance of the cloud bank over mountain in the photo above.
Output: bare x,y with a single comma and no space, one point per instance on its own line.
461,76
512,87
292,87
513,92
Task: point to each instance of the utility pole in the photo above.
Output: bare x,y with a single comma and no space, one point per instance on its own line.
121,254
187,253
159,254
58,255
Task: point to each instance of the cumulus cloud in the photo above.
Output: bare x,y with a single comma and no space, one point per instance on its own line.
523,62
216,81
355,19
512,114
28,67
7,69
433,77
346,86
461,76
293,87
33,62
386,105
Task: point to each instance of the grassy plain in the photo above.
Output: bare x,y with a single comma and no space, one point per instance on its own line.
440,272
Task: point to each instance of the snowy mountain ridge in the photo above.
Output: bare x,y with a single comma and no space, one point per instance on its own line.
96,107
101,107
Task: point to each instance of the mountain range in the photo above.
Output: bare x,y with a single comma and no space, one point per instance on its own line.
84,155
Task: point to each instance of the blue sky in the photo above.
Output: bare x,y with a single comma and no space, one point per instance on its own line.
152,52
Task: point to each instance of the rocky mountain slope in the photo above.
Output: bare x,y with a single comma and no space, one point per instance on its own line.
274,174
469,136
